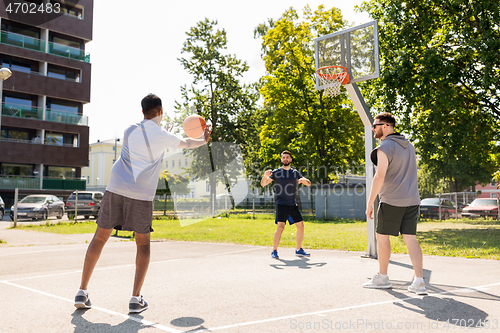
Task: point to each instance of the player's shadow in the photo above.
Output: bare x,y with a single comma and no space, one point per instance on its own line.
440,309
189,322
302,263
83,325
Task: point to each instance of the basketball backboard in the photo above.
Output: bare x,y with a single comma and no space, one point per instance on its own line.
355,48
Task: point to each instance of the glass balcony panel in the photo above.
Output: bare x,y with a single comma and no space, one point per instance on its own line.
66,118
26,42
20,111
23,41
11,182
66,51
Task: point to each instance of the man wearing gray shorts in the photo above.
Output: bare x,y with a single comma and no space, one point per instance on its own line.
128,201
396,184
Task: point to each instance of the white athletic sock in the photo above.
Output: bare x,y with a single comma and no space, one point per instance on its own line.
383,275
418,280
138,298
84,291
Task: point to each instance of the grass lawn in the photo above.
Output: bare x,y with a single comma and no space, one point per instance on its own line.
458,238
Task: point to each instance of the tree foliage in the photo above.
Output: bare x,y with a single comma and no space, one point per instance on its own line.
440,64
325,135
173,184
217,95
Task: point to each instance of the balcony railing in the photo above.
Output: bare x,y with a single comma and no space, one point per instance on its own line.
33,183
39,141
31,43
12,110
68,52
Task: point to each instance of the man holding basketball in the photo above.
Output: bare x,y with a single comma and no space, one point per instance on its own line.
286,180
127,203
396,184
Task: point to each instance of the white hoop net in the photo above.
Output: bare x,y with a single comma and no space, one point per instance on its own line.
331,78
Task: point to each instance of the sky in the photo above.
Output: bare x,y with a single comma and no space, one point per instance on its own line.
136,47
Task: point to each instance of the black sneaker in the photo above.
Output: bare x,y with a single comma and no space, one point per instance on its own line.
82,301
136,306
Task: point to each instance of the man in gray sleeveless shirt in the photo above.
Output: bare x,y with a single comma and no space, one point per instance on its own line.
396,184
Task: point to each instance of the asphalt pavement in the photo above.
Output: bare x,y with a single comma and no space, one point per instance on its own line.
200,287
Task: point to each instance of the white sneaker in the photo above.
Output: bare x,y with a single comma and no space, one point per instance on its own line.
378,282
418,289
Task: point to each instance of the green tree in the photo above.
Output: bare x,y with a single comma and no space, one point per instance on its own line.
440,74
173,184
217,95
325,135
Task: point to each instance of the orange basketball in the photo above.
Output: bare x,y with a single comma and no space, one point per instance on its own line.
194,126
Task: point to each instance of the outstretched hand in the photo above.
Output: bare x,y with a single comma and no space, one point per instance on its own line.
167,128
207,132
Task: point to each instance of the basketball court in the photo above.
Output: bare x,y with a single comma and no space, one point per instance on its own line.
196,287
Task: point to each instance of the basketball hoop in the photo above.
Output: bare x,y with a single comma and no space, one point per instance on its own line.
332,77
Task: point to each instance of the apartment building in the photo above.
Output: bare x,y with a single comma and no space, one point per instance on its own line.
44,139
102,156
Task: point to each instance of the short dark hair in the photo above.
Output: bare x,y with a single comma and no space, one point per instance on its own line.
287,152
151,104
386,117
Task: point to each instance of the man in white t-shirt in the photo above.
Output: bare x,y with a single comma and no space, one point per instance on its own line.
127,203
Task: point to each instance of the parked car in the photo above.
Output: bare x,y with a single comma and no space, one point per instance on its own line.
2,208
89,204
429,208
482,207
38,206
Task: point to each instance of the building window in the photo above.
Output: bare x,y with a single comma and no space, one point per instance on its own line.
207,186
63,106
61,139
173,163
20,100
180,163
59,172
186,162
70,9
8,169
63,73
18,66
11,134
166,164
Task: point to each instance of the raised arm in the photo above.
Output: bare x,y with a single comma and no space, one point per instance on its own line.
194,143
304,181
265,179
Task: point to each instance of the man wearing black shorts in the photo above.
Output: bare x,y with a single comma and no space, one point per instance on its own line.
396,184
127,203
286,180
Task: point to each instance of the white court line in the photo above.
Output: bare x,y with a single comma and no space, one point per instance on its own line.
114,313
59,249
41,251
341,309
124,266
223,254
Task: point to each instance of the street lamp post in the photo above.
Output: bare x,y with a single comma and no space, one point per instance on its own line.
116,140
5,73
